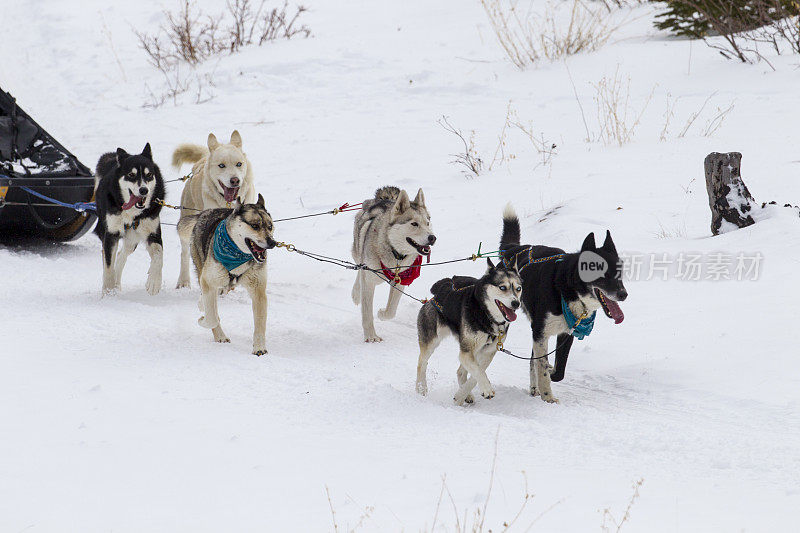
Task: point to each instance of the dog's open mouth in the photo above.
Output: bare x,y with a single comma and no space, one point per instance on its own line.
230,193
259,253
508,314
610,307
423,249
138,201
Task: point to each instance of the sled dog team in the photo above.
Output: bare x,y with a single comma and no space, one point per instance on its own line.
225,231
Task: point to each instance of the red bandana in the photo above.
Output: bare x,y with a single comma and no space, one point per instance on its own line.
407,276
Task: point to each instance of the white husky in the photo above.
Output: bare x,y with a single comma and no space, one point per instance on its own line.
221,174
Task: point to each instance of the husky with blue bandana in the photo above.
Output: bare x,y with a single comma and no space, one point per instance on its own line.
561,295
228,248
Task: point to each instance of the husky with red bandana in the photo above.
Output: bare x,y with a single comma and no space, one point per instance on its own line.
391,235
128,189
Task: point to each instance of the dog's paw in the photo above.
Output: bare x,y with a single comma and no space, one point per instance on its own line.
219,335
372,338
383,314
534,391
153,285
183,284
109,291
207,323
422,388
488,394
549,398
468,399
259,346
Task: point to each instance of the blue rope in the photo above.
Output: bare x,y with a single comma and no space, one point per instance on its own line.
77,206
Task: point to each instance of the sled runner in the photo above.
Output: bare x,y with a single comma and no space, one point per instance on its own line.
31,158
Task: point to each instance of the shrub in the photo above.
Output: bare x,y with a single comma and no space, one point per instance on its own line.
526,37
701,18
193,36
742,24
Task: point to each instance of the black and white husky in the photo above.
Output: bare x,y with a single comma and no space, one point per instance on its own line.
561,293
229,247
476,311
127,188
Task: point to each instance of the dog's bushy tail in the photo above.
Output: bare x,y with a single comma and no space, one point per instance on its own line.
188,153
511,232
388,192
104,165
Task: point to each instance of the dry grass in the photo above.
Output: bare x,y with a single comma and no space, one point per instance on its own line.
618,525
189,37
527,37
500,156
192,36
469,157
546,149
179,84
616,118
474,520
711,126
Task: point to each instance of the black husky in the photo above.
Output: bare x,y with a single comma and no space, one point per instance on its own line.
478,312
128,189
561,293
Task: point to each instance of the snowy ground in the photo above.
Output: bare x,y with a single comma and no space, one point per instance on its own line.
121,414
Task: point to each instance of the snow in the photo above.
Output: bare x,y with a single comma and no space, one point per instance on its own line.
121,413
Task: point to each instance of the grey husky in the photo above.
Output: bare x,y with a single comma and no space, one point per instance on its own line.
476,311
391,234
228,247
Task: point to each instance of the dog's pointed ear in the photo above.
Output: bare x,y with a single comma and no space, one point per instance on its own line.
511,265
402,204
237,206
260,201
236,139
147,152
608,244
122,155
212,142
588,243
420,199
489,263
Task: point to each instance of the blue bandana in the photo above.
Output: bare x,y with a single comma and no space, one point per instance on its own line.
226,251
579,330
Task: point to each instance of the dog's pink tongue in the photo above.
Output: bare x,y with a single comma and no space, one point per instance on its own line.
508,313
230,193
130,203
615,310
